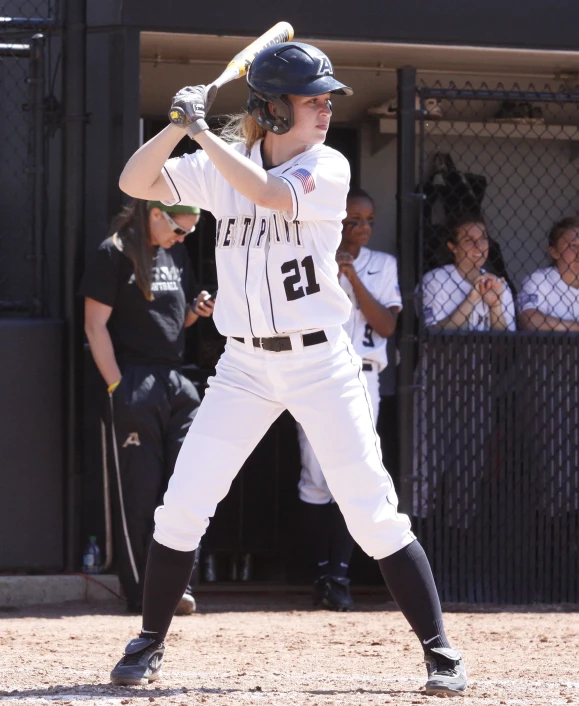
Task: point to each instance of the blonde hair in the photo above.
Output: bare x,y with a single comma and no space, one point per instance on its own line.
242,128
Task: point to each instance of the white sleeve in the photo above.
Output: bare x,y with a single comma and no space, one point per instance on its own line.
319,185
432,304
191,179
530,296
509,309
390,290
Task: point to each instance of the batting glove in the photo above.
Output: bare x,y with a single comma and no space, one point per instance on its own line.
190,107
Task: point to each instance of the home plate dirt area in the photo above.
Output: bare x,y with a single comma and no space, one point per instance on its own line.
275,649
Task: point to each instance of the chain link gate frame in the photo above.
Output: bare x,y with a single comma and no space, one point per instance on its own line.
489,434
23,205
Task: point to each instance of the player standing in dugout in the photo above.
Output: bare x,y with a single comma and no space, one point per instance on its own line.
279,196
139,294
370,279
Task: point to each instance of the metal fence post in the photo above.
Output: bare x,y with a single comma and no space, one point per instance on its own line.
406,239
73,257
36,167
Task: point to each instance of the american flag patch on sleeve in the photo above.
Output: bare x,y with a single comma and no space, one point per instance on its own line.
307,180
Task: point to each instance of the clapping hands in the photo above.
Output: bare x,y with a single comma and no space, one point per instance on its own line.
490,288
346,265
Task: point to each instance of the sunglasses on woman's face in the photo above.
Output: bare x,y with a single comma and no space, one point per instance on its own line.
175,227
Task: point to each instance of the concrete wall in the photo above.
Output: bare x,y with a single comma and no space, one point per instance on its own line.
31,444
378,178
113,128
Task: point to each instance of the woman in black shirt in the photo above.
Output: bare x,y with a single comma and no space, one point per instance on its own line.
139,297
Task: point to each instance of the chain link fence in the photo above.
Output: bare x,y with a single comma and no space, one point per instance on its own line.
496,439
23,13
22,86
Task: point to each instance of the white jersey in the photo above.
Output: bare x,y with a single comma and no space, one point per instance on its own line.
444,289
277,272
546,291
378,273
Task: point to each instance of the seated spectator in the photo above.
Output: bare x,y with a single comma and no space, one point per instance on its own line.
463,295
549,297
549,301
455,405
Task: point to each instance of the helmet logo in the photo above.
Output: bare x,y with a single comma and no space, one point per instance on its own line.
325,68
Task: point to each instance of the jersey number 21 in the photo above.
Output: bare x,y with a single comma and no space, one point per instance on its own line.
292,269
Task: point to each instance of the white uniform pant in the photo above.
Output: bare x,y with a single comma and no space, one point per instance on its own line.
313,487
325,390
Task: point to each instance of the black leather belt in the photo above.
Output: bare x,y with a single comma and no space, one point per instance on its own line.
277,344
366,367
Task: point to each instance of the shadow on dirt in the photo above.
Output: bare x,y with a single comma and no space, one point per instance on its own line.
96,691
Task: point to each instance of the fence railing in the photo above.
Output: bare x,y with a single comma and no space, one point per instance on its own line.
496,477
22,172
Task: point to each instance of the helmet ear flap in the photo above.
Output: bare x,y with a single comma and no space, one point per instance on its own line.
278,122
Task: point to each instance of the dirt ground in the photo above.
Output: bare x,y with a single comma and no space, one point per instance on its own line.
264,649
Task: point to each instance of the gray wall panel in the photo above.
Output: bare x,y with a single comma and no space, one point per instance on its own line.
533,23
31,445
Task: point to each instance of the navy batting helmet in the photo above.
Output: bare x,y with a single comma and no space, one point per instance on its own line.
289,68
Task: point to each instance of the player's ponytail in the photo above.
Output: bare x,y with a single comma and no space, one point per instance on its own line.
131,228
242,128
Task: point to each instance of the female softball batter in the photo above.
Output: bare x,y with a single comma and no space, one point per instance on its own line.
279,197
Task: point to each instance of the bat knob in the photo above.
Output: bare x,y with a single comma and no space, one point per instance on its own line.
177,115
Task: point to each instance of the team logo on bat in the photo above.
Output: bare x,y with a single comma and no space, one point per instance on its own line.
279,38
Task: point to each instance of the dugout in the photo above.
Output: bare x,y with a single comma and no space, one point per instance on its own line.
129,58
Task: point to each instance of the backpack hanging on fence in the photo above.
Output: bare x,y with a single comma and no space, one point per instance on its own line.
461,193
449,195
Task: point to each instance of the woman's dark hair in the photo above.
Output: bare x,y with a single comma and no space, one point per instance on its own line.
459,222
569,223
357,193
131,226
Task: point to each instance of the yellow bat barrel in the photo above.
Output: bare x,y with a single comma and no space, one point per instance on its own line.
279,33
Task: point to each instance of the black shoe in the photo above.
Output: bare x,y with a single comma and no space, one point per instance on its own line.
141,663
337,594
446,672
319,591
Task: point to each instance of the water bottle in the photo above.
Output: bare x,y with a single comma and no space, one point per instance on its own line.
91,560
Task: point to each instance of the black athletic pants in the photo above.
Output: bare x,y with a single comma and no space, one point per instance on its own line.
150,414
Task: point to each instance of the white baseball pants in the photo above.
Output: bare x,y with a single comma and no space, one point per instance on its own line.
324,388
313,487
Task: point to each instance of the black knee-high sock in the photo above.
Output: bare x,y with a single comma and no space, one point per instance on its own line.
168,572
409,579
341,543
317,523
